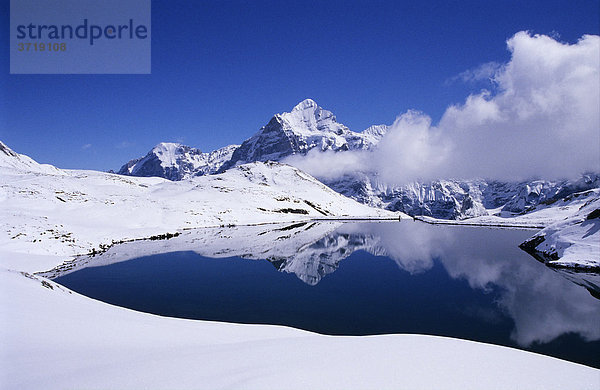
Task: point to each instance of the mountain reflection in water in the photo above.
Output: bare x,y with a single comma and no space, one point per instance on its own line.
543,304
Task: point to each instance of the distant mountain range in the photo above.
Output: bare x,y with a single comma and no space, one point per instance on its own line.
309,127
460,199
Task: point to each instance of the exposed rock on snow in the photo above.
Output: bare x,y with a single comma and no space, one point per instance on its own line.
573,242
306,127
461,199
443,199
174,161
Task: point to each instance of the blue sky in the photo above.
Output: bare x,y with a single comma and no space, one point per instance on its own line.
221,69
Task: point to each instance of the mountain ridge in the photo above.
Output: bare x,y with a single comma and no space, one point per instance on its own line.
308,126
175,161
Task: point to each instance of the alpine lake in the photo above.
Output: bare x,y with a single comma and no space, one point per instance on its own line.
355,278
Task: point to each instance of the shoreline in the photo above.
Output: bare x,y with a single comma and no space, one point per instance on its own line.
168,235
434,221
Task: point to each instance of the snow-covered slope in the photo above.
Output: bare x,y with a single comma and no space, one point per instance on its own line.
306,127
58,339
174,161
570,237
12,161
49,217
573,242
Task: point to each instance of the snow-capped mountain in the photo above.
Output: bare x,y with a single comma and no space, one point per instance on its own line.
445,199
306,127
460,199
175,161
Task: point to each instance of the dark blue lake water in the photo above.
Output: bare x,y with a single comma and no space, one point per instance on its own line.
357,279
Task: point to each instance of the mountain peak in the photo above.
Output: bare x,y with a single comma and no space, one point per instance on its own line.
305,104
376,130
170,149
306,127
167,145
175,161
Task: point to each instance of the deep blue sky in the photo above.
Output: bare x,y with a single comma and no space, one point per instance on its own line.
221,69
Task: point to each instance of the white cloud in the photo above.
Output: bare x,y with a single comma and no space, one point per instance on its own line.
330,165
543,120
485,71
412,145
86,146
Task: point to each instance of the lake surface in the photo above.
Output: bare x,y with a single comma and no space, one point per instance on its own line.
355,279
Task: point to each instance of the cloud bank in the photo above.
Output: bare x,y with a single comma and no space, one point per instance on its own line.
543,120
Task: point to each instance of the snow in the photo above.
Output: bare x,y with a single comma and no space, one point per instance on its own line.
461,199
573,242
264,241
53,338
53,217
308,126
538,217
57,339
568,238
19,162
175,161
376,130
307,118
166,152
315,126
527,290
